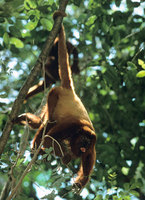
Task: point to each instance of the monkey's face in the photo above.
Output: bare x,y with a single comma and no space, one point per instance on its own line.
80,145
84,143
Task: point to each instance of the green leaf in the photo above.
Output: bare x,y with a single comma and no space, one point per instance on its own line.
29,4
44,156
50,196
19,24
51,2
105,27
39,162
48,151
133,186
141,63
126,198
107,197
98,197
126,186
115,197
6,38
141,74
49,157
121,193
91,20
18,43
143,66
20,161
35,13
103,92
77,2
135,193
132,65
116,37
47,24
15,31
58,182
31,25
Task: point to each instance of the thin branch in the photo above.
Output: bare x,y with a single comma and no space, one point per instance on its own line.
36,69
6,189
11,180
60,148
29,166
14,191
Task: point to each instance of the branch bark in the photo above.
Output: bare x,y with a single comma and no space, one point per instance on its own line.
35,70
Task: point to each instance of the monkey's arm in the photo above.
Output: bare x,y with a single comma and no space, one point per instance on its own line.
88,161
54,135
28,118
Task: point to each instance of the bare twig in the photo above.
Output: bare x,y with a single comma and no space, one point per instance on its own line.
14,191
48,136
6,189
29,166
21,96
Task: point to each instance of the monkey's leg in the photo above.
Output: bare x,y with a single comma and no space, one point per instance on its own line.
87,162
28,118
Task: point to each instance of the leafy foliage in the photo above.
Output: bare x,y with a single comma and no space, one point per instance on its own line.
141,73
110,39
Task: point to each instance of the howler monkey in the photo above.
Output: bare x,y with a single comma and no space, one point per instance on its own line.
51,68
71,121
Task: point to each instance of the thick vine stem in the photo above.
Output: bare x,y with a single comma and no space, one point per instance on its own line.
35,70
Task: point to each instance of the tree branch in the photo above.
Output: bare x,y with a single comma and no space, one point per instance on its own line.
35,70
13,192
29,166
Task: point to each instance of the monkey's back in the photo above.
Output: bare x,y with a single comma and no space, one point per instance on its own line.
69,105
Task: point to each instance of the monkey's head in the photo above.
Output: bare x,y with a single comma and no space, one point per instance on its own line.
82,141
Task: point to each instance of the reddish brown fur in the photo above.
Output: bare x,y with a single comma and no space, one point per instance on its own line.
72,123
51,68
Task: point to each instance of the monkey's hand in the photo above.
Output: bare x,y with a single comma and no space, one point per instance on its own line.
80,182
